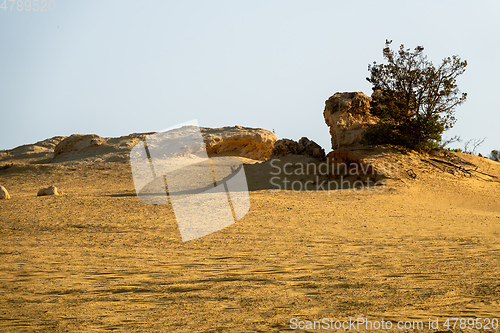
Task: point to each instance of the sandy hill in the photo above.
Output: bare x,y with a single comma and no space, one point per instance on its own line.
254,146
422,243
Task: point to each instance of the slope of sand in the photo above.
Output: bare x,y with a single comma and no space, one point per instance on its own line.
97,258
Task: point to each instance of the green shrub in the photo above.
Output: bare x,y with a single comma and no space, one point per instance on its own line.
416,101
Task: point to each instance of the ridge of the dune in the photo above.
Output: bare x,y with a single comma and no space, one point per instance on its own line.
254,143
255,147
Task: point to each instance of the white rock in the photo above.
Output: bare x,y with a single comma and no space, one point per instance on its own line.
51,190
4,194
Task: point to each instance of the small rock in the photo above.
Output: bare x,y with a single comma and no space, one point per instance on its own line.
480,155
4,194
51,190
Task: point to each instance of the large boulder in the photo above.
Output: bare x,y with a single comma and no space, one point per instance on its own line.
4,194
347,114
305,146
255,143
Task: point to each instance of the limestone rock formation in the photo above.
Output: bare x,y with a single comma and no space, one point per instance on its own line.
51,190
310,148
348,116
255,143
305,146
285,147
93,148
4,194
77,142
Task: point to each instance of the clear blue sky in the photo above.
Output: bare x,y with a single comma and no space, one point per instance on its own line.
118,67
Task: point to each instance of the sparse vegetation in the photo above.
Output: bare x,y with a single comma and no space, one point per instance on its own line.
495,154
470,146
417,100
445,143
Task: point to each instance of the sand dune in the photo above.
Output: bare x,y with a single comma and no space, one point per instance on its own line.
97,258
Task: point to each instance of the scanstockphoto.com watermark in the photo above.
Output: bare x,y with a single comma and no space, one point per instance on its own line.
172,167
328,176
354,324
382,324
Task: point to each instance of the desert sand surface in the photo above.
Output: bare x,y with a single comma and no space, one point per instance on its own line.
98,259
